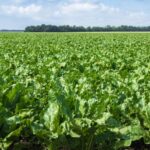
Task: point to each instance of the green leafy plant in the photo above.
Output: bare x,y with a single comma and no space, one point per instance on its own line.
70,91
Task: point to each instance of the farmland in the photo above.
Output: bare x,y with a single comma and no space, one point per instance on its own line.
74,91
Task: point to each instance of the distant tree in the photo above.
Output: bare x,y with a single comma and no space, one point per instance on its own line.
67,28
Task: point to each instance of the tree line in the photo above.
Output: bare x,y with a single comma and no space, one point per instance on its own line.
67,28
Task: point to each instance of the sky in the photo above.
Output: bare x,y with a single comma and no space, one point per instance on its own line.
17,14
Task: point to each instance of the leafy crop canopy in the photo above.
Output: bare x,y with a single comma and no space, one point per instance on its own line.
74,90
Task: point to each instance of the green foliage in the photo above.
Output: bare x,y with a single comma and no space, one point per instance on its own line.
74,91
67,28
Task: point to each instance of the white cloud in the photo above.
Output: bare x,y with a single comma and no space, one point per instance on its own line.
136,14
20,10
108,9
81,7
78,7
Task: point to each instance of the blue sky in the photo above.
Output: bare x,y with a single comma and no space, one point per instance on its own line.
17,14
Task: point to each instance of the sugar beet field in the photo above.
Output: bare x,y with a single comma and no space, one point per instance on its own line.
74,91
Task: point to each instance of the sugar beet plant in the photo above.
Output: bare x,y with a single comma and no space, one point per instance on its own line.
69,91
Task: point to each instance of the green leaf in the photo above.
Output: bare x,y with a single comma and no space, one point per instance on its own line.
51,117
